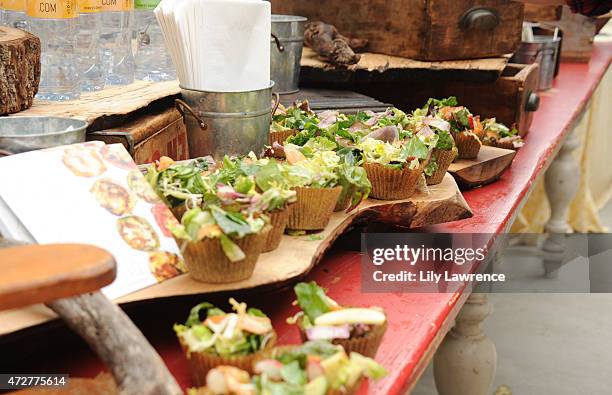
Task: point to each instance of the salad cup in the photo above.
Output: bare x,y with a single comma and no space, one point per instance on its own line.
313,208
468,145
201,362
208,263
443,158
343,203
279,136
392,184
278,220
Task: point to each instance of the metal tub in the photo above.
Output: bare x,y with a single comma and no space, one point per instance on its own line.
21,134
543,50
226,123
286,52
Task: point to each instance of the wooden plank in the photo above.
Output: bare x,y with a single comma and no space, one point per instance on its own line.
297,255
41,273
374,67
542,13
486,168
111,102
419,29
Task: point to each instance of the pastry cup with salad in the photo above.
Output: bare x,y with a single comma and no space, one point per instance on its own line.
218,245
314,368
212,337
394,169
181,186
499,135
288,121
466,129
320,177
357,329
262,180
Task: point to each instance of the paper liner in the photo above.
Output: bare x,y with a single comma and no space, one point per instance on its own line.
280,136
467,144
392,184
279,350
343,203
201,362
443,158
207,262
365,345
179,211
313,208
278,220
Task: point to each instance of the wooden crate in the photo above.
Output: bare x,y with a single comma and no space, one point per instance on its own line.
420,29
150,136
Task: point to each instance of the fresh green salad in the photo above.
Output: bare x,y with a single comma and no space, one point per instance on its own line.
177,183
214,222
296,117
404,154
211,330
321,318
313,368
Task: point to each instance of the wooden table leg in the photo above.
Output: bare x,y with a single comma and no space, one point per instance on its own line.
561,181
466,360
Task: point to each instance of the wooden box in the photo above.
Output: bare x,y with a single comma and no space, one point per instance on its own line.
420,29
148,137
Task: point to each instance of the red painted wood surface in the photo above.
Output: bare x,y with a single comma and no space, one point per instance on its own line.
415,319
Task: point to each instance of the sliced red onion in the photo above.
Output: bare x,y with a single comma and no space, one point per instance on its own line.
426,131
387,134
327,118
437,123
358,126
328,332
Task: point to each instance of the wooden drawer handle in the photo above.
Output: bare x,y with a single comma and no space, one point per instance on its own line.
479,18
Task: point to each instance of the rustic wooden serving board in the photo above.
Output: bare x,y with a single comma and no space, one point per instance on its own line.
486,168
296,255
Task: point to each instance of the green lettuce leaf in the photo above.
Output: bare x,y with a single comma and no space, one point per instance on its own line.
312,299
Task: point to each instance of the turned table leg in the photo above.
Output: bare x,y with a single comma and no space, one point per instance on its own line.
561,181
466,360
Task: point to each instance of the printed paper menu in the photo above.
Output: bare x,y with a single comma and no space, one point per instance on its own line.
93,193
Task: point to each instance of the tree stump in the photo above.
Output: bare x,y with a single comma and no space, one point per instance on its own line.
19,69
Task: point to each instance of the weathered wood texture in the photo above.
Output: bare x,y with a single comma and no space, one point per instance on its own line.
135,365
36,274
296,255
542,13
419,29
378,68
19,69
578,32
111,106
486,168
150,136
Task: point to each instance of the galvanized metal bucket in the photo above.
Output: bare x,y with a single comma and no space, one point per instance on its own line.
543,50
226,123
21,134
286,52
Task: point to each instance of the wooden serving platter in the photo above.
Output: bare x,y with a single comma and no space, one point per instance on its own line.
486,168
296,255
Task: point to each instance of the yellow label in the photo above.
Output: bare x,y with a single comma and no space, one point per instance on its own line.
89,6
52,9
14,5
117,5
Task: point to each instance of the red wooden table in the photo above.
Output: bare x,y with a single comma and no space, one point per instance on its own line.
417,321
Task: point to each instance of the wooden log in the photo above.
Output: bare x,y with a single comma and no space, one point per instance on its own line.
135,365
486,168
19,69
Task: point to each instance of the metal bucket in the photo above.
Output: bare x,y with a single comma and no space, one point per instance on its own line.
286,52
543,50
21,134
226,123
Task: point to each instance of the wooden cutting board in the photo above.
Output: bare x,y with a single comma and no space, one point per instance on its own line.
486,168
296,255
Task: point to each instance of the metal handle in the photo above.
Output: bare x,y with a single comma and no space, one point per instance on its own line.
5,153
181,106
479,18
279,46
276,103
533,102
